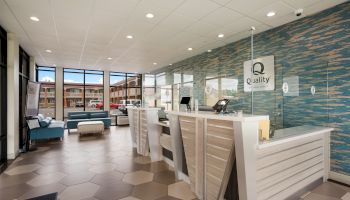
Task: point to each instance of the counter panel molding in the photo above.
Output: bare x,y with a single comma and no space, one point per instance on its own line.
286,168
219,157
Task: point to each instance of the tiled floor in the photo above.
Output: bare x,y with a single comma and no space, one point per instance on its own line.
105,168
91,167
329,191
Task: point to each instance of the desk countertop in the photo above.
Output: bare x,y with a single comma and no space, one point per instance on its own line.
228,117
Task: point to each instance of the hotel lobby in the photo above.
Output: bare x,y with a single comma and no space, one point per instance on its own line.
174,99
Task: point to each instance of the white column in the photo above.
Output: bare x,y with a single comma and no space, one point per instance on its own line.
106,106
12,96
32,69
59,93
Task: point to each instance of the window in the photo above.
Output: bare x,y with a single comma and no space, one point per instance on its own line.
219,88
82,91
125,90
46,76
149,90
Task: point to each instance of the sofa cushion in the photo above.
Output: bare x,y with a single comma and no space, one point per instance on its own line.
41,117
79,116
98,115
44,123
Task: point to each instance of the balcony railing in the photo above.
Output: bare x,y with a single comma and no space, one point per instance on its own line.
47,94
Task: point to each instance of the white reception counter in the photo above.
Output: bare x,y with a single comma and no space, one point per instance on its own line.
205,147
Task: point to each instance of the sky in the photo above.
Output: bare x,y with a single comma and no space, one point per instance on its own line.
46,76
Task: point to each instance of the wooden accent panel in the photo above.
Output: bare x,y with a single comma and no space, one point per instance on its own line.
188,133
219,157
143,141
286,168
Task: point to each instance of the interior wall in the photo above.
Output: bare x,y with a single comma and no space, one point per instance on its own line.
316,48
13,96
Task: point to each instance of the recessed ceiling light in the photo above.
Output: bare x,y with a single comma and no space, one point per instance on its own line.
109,58
154,63
221,35
271,14
48,51
190,49
33,18
209,50
129,37
149,15
170,64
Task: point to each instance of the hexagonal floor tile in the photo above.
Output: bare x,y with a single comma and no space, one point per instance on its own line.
46,179
181,190
108,178
77,178
80,191
102,168
142,160
150,191
138,177
165,177
116,190
130,198
22,169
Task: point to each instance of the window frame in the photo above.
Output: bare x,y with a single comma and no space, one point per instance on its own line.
37,69
84,72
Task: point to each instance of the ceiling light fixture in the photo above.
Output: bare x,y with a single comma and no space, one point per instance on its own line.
129,37
221,35
48,51
149,15
190,48
271,14
170,64
154,63
209,50
109,58
33,18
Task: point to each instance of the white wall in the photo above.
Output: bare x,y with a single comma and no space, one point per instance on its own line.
106,91
59,93
12,96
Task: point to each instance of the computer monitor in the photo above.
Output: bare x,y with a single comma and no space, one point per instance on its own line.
221,105
186,101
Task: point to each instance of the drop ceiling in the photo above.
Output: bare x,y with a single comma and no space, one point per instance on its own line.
84,33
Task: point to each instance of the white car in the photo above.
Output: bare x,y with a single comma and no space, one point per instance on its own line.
93,103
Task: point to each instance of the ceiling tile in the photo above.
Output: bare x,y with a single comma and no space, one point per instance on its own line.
197,9
280,8
222,17
248,7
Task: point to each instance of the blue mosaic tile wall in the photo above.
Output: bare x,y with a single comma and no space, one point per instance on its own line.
315,48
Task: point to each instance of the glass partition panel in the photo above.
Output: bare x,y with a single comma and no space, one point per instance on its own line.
300,96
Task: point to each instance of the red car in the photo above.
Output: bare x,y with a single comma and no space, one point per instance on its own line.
111,105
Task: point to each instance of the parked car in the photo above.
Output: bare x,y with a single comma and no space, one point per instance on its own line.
130,102
111,105
93,103
79,104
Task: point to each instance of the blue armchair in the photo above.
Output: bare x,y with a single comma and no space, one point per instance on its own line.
48,129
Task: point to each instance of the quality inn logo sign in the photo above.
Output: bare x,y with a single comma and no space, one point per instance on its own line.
260,76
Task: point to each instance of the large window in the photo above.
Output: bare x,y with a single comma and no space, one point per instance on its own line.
149,90
47,103
125,89
82,91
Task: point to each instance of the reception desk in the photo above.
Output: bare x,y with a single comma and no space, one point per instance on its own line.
274,169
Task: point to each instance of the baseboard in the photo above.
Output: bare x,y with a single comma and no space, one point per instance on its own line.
342,178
